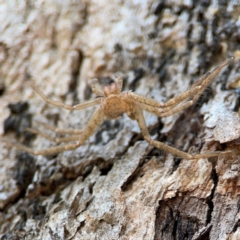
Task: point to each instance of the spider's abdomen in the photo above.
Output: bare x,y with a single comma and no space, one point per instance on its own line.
114,106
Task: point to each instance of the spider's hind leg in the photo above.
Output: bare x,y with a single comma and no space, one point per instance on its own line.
60,130
138,116
55,139
51,138
198,87
94,122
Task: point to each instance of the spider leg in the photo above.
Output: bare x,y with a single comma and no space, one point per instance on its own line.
197,88
65,106
145,100
119,81
138,116
59,130
169,111
165,107
53,139
97,88
94,122
212,154
166,112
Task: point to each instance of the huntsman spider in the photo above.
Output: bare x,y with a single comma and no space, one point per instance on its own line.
113,103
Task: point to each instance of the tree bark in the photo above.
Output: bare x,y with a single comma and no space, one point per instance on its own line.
117,186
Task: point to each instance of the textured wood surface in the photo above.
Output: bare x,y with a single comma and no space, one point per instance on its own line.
116,186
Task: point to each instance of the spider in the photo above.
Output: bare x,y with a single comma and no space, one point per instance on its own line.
113,103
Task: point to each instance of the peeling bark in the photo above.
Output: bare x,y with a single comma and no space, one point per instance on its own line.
116,186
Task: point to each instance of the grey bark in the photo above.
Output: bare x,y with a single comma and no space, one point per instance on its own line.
116,186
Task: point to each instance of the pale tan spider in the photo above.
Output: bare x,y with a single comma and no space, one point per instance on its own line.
113,103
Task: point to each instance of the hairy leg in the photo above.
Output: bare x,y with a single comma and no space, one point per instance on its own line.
199,86
119,81
51,138
65,106
60,130
196,90
97,89
138,115
166,112
94,122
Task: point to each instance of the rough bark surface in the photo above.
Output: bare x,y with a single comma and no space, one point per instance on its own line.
116,186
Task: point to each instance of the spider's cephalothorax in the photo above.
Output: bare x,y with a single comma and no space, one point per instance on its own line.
113,103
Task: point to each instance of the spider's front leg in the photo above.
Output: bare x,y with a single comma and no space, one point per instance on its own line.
94,122
65,106
182,101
